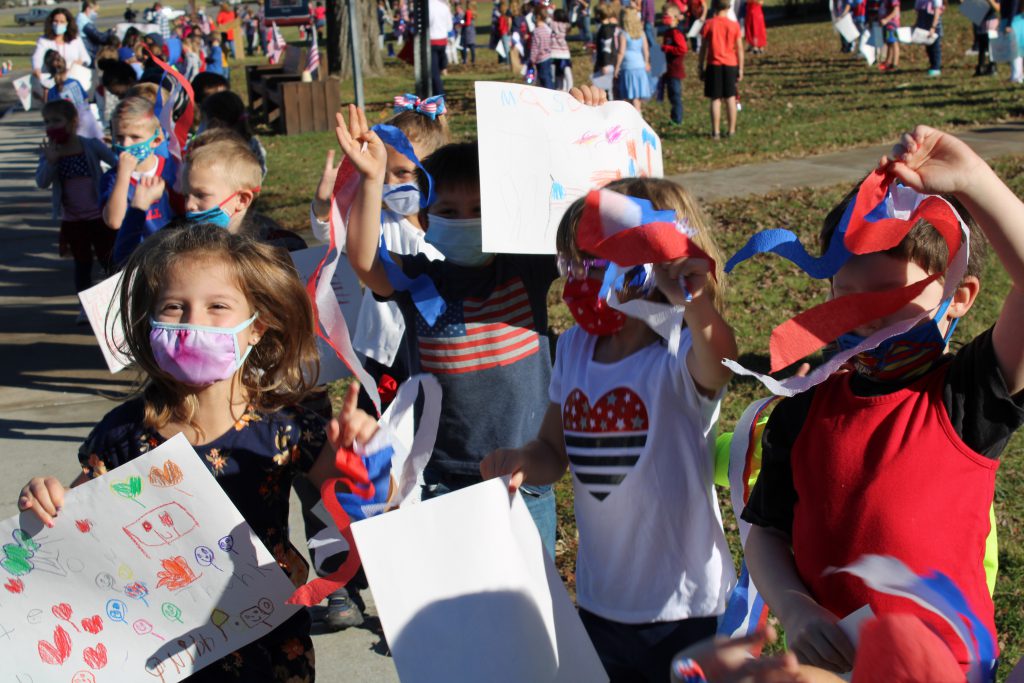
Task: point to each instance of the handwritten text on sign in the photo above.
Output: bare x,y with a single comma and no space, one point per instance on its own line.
150,573
540,150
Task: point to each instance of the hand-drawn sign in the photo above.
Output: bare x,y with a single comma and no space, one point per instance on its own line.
160,526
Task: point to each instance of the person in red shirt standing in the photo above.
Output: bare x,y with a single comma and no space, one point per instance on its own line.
673,44
754,28
721,64
226,20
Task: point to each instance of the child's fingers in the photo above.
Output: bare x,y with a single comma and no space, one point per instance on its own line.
329,165
348,408
365,429
516,480
353,121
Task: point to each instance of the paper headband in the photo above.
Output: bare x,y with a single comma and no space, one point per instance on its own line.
431,107
877,220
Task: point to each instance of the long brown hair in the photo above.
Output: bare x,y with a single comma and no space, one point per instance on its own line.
281,369
70,34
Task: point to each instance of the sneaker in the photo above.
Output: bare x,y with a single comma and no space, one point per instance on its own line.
341,612
934,72
971,53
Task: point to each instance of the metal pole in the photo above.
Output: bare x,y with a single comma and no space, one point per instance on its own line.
357,67
421,47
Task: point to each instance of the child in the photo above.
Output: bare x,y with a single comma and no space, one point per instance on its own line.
604,42
540,46
469,33
633,60
137,195
239,415
71,164
889,17
221,178
560,55
215,62
207,83
929,18
489,350
673,44
117,77
990,22
895,457
754,28
226,110
632,421
67,88
192,56
721,64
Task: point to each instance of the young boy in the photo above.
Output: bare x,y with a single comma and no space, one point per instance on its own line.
721,64
929,18
221,179
604,43
137,195
890,20
673,44
896,458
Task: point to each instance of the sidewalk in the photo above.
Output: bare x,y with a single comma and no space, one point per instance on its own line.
825,170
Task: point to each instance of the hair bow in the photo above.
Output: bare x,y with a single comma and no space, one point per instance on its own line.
432,106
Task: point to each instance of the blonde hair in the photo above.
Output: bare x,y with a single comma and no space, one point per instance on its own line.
225,149
426,133
663,195
148,91
279,371
134,108
631,23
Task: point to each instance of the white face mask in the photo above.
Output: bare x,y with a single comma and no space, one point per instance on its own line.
402,199
459,239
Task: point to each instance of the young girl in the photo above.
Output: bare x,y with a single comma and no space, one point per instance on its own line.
754,28
67,88
71,165
633,62
560,56
229,294
604,43
632,420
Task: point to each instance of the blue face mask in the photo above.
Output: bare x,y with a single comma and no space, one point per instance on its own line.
459,239
215,215
140,150
904,356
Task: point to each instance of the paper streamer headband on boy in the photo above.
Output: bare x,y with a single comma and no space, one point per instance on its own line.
877,220
431,107
628,231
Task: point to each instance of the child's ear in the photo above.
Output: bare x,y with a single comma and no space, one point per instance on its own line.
964,296
245,199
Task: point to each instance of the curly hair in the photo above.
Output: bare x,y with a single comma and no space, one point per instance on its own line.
69,35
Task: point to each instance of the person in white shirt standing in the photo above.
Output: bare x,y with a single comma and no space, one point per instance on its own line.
441,25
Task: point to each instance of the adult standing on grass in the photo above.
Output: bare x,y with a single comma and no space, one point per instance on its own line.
225,21
441,25
721,64
60,33
92,37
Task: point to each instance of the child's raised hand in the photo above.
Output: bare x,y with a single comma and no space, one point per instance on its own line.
48,148
932,162
147,192
671,276
371,162
44,496
502,462
816,639
322,198
352,424
590,95
729,661
126,162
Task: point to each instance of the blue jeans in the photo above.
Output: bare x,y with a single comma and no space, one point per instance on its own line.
585,29
545,77
674,86
935,50
540,501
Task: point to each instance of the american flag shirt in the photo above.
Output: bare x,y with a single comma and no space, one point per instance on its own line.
490,352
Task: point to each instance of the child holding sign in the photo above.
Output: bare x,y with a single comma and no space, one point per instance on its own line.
909,437
223,329
631,418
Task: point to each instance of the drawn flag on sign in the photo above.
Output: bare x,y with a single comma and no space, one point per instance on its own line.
481,333
604,440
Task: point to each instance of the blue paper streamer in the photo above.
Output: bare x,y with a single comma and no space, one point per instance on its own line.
425,297
393,136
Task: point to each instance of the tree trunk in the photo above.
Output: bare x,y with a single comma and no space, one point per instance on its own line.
339,54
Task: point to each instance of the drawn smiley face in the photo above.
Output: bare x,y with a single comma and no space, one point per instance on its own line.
160,526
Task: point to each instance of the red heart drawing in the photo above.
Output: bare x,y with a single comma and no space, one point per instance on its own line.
58,651
93,624
62,611
14,586
604,440
95,657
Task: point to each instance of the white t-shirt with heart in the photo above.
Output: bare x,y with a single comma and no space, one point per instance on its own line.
639,438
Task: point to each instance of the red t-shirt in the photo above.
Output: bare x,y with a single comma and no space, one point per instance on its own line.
721,34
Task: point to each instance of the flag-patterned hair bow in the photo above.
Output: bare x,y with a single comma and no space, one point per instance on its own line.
876,220
432,106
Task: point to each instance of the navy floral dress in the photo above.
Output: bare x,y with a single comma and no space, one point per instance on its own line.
254,463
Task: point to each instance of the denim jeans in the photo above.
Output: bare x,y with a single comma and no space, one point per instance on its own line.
935,50
540,501
545,75
674,86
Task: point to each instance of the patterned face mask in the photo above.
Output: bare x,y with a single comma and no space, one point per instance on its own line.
589,309
198,355
140,150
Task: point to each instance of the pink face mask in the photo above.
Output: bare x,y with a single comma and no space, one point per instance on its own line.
197,355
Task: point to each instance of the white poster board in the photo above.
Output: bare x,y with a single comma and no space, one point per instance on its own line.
540,150
922,36
23,88
975,10
866,49
150,573
904,34
102,307
466,592
350,297
695,28
846,28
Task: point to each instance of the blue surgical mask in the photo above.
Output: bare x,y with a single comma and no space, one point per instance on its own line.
60,29
459,239
402,199
215,215
903,356
140,150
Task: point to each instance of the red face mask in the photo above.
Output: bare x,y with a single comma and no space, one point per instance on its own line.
590,311
59,136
